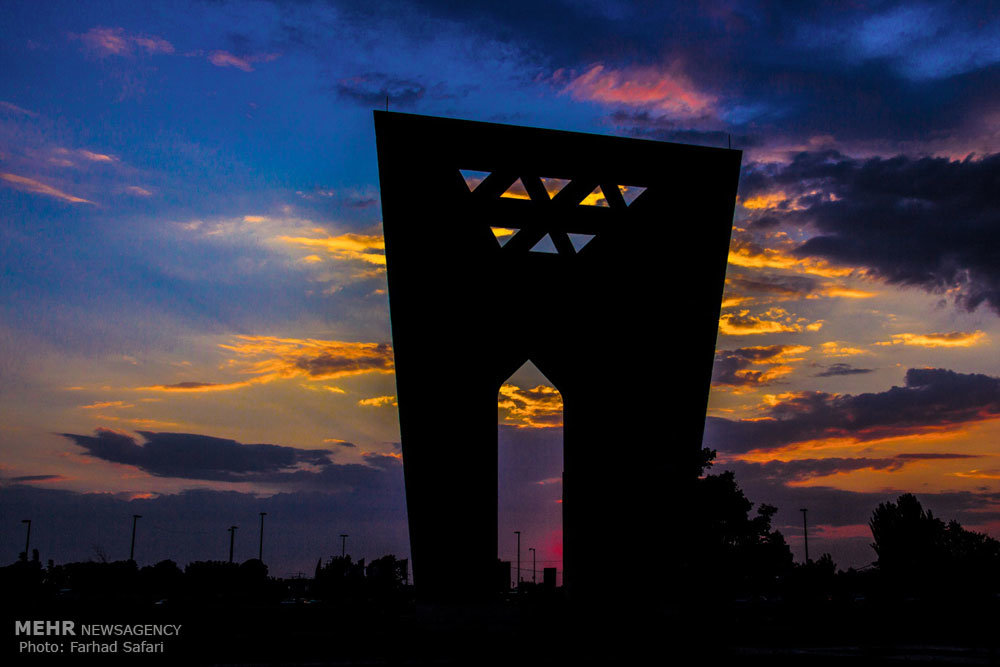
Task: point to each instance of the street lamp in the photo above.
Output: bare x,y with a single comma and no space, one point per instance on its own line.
260,551
805,532
131,551
343,544
232,538
27,539
517,579
534,571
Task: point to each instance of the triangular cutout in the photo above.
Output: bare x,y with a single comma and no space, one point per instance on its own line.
580,240
503,234
630,193
473,178
554,185
516,191
595,198
547,245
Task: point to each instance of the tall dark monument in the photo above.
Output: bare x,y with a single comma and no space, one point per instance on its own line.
552,258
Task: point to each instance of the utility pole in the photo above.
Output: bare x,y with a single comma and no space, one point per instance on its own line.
232,538
260,551
805,533
343,544
534,570
27,540
131,551
517,578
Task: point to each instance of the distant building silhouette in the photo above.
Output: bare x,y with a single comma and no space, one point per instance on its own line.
549,256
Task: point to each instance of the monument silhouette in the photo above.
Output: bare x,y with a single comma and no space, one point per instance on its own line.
548,255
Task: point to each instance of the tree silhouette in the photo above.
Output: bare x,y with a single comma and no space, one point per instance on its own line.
919,554
731,549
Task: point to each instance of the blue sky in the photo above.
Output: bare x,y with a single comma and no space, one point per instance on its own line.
190,243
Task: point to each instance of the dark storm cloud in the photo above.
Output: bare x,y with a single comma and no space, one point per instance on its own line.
644,125
800,470
37,478
804,469
932,223
333,363
834,370
932,398
788,70
193,456
776,285
372,89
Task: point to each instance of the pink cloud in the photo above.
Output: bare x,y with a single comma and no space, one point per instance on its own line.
646,87
227,59
37,187
116,41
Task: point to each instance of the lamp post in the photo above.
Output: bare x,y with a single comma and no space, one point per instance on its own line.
517,578
260,551
131,551
27,539
534,570
805,532
343,544
232,539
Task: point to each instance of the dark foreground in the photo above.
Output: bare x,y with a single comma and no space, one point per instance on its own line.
528,630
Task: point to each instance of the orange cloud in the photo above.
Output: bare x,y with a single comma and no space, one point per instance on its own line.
37,187
648,87
951,339
840,349
765,201
754,256
107,404
367,248
540,407
201,387
268,358
378,401
775,320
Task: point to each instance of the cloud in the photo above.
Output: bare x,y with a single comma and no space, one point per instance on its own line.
203,457
13,108
37,187
38,478
359,247
200,387
746,253
774,320
927,222
227,59
540,407
933,399
835,370
268,358
950,339
735,368
665,91
377,401
372,90
783,287
833,348
104,41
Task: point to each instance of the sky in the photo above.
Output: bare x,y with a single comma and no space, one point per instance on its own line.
193,312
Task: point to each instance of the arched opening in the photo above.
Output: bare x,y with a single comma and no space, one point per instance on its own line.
529,479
